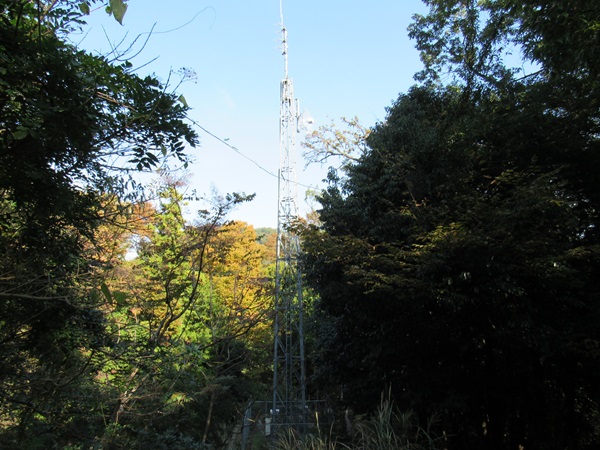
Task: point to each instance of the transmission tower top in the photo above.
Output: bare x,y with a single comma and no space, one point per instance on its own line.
283,41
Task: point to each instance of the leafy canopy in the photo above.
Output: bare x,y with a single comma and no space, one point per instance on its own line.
456,257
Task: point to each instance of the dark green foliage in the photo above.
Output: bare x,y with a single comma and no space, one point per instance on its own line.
457,258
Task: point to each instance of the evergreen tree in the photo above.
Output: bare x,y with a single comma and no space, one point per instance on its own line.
457,258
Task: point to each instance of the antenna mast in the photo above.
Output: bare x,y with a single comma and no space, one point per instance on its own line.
289,373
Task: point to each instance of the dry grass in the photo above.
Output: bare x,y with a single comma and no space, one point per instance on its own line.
387,429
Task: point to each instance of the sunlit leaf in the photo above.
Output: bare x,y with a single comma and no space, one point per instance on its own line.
118,9
183,101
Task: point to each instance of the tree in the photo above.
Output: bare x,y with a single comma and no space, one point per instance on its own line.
186,322
456,257
72,126
329,142
239,267
156,365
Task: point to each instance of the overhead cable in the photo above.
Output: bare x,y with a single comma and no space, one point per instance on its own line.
235,149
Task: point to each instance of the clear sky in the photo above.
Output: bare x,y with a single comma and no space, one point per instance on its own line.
346,58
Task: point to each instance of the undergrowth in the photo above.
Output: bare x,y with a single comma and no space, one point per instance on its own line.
387,429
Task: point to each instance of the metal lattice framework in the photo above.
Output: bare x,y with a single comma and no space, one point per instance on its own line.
289,408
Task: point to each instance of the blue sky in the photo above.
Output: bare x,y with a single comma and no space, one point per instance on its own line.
346,58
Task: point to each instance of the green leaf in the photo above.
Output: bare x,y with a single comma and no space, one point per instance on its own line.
183,101
85,8
120,298
118,9
95,296
21,133
106,291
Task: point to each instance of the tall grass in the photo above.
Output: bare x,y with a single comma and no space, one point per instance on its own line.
387,429
291,440
391,429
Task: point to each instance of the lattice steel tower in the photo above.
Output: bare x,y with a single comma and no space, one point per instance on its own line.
289,373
